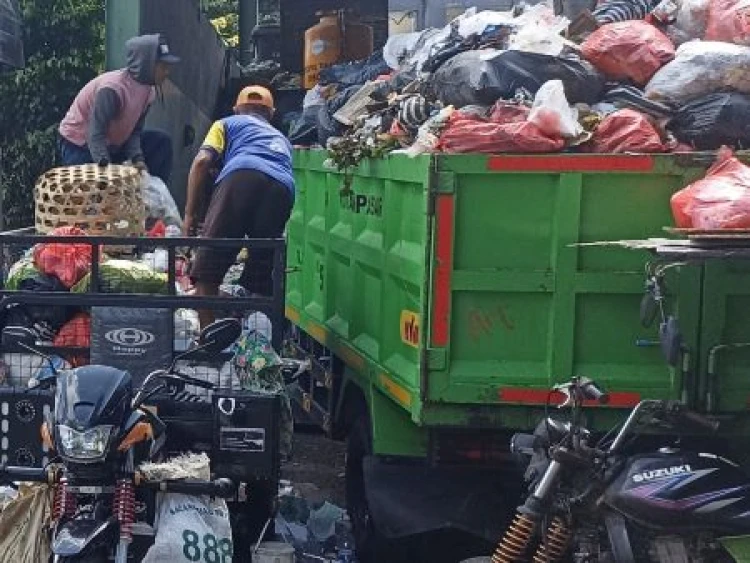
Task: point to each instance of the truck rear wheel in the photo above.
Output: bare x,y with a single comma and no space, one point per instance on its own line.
371,546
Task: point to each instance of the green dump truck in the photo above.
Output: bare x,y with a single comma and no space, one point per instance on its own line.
440,297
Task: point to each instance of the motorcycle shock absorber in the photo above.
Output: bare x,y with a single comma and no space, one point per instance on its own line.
515,541
554,543
63,501
123,508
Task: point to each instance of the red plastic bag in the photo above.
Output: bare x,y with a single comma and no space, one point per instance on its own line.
626,130
729,21
629,50
75,333
506,112
466,134
69,262
720,200
484,137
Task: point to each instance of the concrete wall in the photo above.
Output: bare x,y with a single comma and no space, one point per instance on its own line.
190,96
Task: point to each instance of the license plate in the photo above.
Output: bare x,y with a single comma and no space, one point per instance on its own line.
83,490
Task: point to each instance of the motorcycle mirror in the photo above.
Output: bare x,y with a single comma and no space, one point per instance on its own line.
214,339
22,337
219,335
671,341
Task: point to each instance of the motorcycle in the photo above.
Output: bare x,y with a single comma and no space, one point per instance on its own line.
100,431
594,501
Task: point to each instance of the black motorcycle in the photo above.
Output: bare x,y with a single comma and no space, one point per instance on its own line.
590,501
100,431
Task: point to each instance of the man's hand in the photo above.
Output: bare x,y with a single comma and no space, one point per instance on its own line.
189,226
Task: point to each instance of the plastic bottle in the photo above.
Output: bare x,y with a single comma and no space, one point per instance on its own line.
344,541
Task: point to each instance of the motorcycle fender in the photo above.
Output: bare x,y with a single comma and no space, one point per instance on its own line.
737,546
75,537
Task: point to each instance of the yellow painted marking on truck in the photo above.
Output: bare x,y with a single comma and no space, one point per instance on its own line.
350,358
292,314
395,390
317,332
411,331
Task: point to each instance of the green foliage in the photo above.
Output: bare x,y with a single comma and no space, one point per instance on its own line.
64,46
224,15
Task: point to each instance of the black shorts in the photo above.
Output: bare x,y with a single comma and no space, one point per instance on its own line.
249,204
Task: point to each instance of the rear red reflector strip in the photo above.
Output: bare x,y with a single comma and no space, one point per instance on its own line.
621,399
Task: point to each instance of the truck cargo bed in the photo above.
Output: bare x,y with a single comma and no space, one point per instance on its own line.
453,286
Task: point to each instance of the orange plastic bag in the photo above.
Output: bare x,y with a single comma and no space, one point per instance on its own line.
729,21
75,333
626,130
720,200
629,50
69,262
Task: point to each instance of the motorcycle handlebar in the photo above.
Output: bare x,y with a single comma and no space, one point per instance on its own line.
25,474
224,488
593,393
196,382
700,420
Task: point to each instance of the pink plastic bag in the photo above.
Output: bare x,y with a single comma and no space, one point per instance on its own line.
629,50
729,21
69,262
721,200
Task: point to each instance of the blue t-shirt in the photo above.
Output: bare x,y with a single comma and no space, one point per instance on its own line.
247,142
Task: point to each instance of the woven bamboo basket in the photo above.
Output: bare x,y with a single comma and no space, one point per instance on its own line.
100,200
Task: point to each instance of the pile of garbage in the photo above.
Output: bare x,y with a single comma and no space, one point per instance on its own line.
317,529
648,76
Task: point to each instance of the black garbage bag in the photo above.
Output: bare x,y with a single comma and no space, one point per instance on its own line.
483,77
327,126
24,276
304,130
709,122
356,73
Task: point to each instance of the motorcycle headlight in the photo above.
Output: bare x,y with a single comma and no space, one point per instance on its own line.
87,445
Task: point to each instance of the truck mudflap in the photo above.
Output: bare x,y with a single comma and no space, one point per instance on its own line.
410,498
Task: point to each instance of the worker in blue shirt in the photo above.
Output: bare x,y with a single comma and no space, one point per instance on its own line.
253,195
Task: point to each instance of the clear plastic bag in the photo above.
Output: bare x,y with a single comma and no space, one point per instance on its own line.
631,50
690,22
539,31
552,113
720,200
398,47
701,68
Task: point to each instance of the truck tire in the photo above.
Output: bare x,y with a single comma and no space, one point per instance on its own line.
371,546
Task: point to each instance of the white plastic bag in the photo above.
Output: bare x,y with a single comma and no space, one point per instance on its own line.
159,202
191,529
23,525
701,68
188,528
539,31
398,46
552,113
